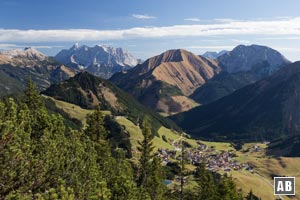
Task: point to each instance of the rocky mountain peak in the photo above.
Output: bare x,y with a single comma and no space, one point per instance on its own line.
163,81
27,52
100,60
76,45
22,57
245,58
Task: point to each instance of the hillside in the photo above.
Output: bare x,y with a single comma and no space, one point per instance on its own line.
89,91
240,67
222,85
264,166
17,66
163,82
265,110
100,60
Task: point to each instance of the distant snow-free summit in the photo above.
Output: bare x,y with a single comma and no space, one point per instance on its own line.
213,54
100,60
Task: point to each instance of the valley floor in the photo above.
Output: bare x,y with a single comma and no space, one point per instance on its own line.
250,167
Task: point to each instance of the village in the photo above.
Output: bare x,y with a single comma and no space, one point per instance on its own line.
215,160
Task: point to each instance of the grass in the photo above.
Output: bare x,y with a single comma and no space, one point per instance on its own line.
74,111
261,180
136,134
263,165
264,169
134,130
248,181
219,145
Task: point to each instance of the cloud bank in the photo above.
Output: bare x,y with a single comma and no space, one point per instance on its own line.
278,27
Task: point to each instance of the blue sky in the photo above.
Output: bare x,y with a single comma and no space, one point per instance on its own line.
149,27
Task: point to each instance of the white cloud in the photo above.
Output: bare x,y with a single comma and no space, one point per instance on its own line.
193,19
269,28
238,41
281,38
225,20
287,49
139,16
7,46
228,47
4,46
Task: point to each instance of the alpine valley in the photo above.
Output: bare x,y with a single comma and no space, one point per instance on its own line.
233,112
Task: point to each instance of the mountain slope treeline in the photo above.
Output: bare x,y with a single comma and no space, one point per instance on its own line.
89,91
40,159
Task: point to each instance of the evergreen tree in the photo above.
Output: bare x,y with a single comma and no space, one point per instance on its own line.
32,97
182,169
15,150
121,180
233,192
150,177
95,126
38,113
146,148
206,185
155,184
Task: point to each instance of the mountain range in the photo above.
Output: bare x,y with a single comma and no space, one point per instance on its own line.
172,82
264,110
165,81
240,67
17,66
176,80
89,91
100,60
250,100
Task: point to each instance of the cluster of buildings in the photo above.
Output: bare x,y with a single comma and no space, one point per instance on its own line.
215,160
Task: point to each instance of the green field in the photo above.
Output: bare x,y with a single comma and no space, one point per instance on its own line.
265,167
259,180
73,110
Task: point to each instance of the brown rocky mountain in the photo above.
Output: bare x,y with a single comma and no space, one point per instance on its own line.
16,66
163,82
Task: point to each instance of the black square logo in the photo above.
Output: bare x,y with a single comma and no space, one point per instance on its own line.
284,185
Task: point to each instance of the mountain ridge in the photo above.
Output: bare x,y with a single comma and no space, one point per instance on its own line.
17,66
89,91
243,58
163,79
100,60
240,67
264,110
